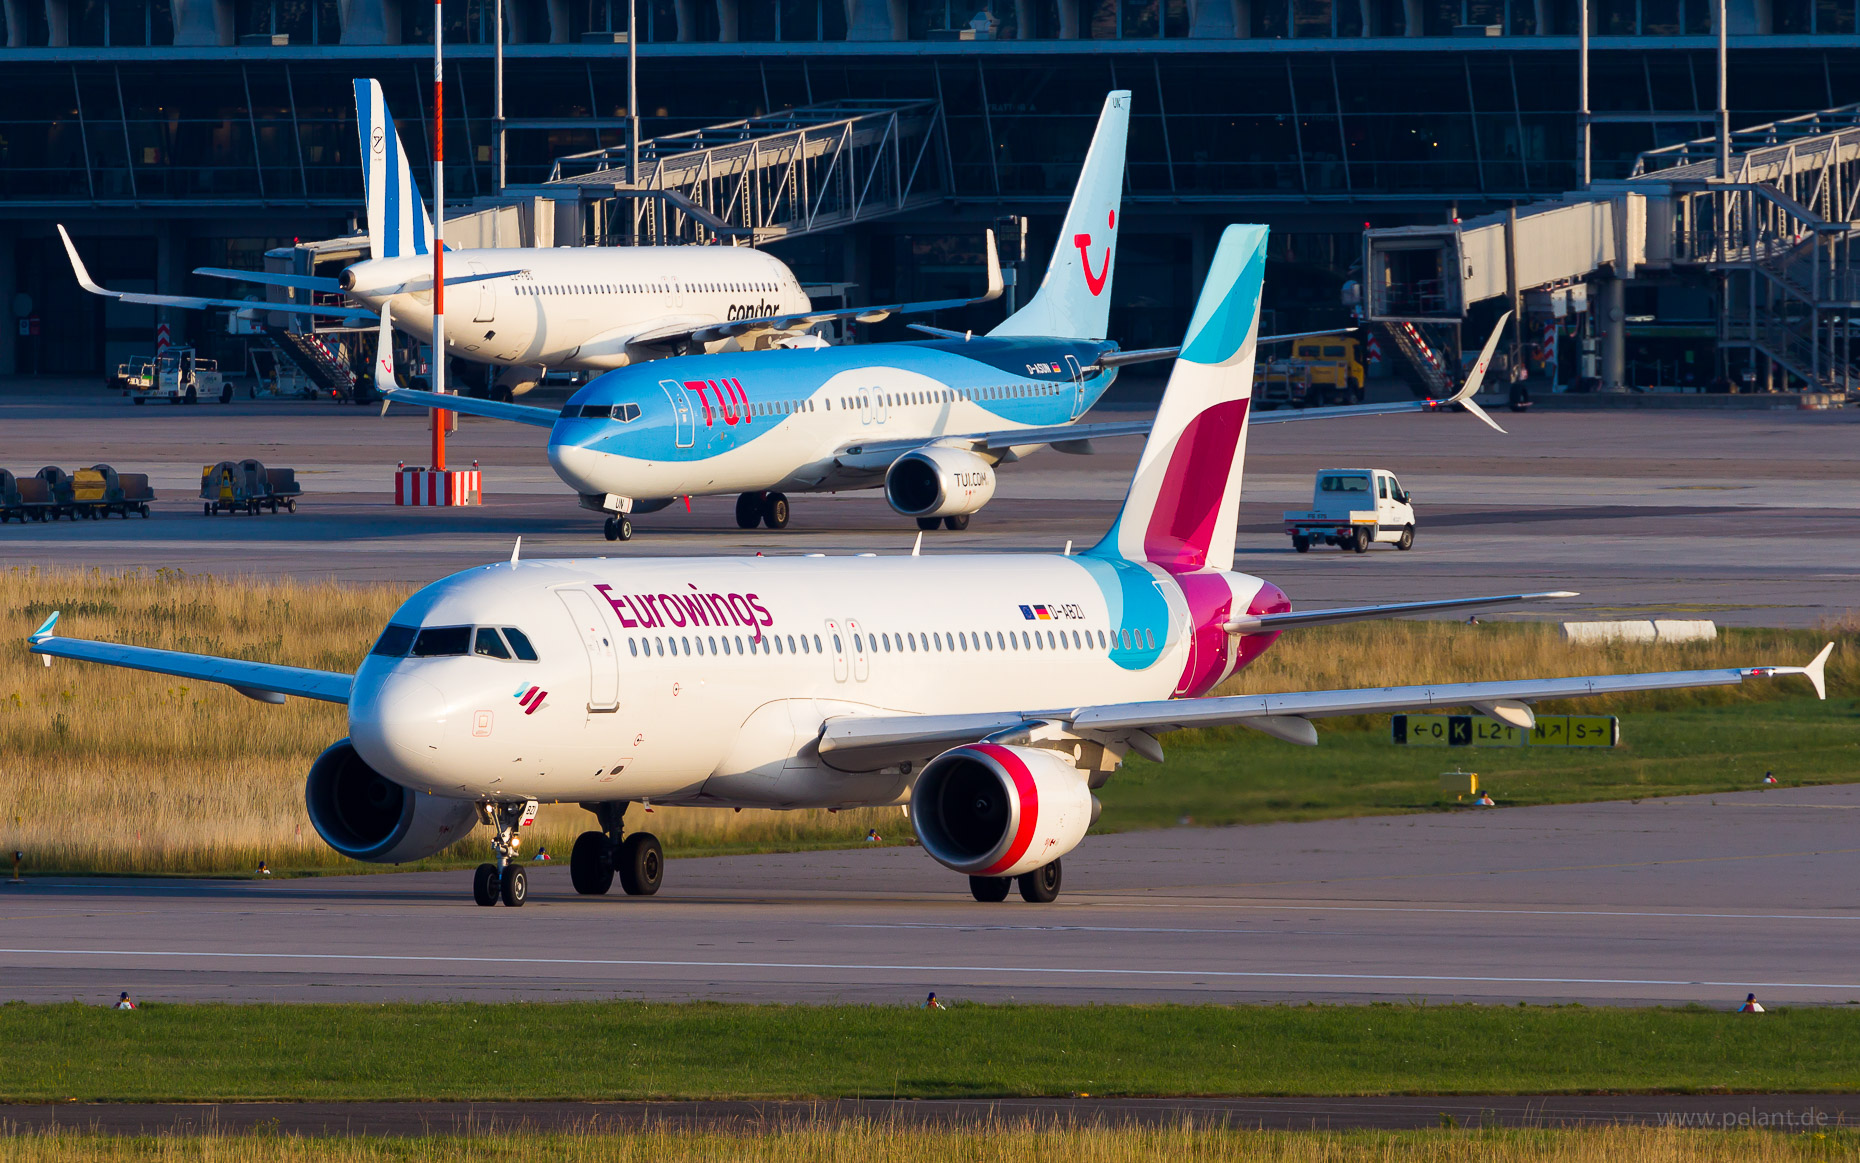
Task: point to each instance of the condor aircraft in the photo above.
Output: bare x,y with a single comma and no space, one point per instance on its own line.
928,421
529,309
988,694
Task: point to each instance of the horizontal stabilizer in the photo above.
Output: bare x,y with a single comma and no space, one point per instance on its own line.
269,279
1267,623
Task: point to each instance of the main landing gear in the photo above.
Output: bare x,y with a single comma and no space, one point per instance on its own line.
619,527
769,509
954,524
503,880
1040,887
598,856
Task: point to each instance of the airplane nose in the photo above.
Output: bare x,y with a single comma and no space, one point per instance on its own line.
403,723
580,468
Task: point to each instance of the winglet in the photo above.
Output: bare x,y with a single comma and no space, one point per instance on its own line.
1816,671
917,545
995,284
516,550
77,266
48,630
1464,397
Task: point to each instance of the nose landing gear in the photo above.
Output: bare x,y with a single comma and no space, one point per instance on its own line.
505,879
598,856
618,528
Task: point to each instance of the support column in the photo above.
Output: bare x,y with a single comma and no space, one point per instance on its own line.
370,21
170,279
884,20
1216,19
1614,335
9,290
57,24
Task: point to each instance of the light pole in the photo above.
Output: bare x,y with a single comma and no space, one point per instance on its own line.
497,85
632,107
440,419
1724,109
1582,83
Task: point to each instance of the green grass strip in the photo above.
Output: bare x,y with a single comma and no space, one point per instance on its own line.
626,1050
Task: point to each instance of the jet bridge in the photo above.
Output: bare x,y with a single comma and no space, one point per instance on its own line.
1776,234
755,180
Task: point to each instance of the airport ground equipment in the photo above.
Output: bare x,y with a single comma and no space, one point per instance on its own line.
246,486
99,491
25,499
1352,508
177,375
1321,372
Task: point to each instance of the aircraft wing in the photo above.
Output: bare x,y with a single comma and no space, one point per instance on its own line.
266,682
474,406
272,279
196,302
867,743
715,331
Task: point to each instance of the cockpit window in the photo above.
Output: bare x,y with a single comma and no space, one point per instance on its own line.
395,641
490,645
520,644
442,641
626,413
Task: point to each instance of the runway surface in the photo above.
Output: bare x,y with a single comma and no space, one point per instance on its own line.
1795,1112
1749,517
1662,901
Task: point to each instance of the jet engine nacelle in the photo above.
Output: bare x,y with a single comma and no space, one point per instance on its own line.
939,482
366,816
992,810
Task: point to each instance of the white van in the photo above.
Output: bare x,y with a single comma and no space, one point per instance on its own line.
1351,508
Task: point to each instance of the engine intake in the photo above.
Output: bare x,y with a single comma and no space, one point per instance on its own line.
366,816
939,482
991,810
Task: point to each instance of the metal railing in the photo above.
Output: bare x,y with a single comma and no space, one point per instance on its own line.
814,168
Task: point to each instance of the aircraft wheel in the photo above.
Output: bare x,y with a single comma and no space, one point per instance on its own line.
748,510
514,888
1407,538
484,885
1041,886
1301,544
956,524
207,508
775,511
641,864
590,868
989,889
928,523
142,509
1360,542
609,530
618,528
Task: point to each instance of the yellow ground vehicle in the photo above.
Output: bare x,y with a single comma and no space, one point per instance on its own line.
1320,371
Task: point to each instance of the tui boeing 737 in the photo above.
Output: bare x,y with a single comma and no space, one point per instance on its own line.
989,694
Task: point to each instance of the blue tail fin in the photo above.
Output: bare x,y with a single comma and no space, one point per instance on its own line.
397,220
1074,300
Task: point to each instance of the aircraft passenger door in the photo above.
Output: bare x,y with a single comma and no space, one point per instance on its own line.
860,650
603,654
681,412
487,296
1078,386
836,638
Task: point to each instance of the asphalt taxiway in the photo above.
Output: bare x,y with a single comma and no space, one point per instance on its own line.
1750,517
1694,899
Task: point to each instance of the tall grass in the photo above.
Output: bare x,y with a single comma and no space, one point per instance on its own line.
864,1141
104,769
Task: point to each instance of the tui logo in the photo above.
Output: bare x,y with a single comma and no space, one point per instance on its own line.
1083,241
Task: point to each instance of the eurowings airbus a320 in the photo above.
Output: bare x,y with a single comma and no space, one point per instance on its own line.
989,694
928,421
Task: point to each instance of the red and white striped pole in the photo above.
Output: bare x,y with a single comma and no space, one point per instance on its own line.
440,419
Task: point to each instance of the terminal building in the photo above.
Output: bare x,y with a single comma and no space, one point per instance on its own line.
171,134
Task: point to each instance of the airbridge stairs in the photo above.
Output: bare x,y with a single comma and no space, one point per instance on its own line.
1777,232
